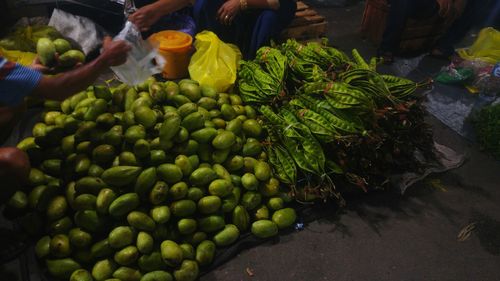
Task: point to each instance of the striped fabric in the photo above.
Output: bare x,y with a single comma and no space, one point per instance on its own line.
16,82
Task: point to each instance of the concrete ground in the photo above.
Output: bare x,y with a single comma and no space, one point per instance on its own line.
445,228
387,236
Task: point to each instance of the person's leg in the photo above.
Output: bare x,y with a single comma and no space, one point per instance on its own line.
14,171
269,25
399,12
471,16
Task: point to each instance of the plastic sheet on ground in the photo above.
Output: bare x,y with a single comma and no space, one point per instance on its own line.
446,159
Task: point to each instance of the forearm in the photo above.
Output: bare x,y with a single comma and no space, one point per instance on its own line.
263,4
165,7
66,84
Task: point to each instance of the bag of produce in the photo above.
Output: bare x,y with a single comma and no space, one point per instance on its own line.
214,63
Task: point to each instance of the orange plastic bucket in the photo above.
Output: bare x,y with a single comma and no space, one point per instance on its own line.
175,47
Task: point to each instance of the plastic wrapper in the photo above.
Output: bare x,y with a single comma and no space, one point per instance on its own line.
142,60
214,63
23,58
81,30
486,47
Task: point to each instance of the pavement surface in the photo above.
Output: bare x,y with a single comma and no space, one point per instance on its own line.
444,228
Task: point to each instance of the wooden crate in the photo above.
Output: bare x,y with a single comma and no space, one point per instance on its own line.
419,34
307,24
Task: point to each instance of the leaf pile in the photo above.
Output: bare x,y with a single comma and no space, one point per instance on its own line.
332,119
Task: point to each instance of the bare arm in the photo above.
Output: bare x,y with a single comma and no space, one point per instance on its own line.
228,11
148,15
66,84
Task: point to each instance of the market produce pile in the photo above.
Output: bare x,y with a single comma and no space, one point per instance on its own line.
52,48
487,125
333,120
145,183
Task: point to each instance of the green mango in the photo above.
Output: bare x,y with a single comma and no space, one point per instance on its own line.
186,226
171,253
193,121
160,214
202,176
121,175
220,187
205,252
81,275
145,116
79,238
252,128
264,228
145,182
178,191
71,58
211,223
187,272
135,133
103,269
151,262
227,236
127,274
158,275
241,218
183,208
169,173
145,242
121,236
124,204
85,202
46,51
61,45
101,249
158,193
62,268
89,185
249,181
188,251
42,247
57,208
141,221
104,199
209,204
284,218
127,255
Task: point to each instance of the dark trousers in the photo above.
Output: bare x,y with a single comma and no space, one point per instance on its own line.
400,11
476,13
250,30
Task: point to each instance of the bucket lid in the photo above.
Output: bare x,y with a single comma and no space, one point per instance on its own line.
172,40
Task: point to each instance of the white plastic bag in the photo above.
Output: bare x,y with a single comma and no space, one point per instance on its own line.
139,65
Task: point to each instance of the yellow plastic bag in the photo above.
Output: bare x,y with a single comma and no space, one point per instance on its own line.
486,47
24,58
214,63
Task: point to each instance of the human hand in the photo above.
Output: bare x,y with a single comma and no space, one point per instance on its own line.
228,11
449,9
145,17
38,66
114,52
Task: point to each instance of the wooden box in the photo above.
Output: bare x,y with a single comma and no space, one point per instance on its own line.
307,24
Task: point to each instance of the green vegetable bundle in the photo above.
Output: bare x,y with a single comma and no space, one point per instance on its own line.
487,125
324,102
145,183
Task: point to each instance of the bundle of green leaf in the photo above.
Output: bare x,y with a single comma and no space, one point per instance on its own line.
328,105
487,125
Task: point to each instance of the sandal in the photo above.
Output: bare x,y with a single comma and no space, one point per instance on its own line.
387,57
12,244
441,53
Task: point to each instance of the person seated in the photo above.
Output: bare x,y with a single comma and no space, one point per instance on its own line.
155,16
249,24
482,13
401,10
17,82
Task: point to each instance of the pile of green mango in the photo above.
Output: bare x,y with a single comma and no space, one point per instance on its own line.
147,182
67,57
